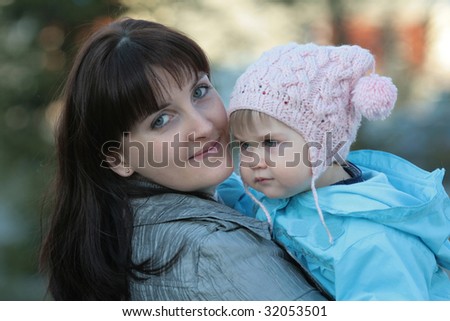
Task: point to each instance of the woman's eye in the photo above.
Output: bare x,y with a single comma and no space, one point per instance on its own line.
201,91
270,143
160,121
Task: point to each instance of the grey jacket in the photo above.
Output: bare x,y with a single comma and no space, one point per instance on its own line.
204,250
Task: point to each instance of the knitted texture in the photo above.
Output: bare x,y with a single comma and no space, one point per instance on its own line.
321,92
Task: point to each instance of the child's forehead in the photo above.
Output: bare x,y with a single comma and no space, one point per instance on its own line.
260,128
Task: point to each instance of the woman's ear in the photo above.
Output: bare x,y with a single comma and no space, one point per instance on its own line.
114,159
122,169
116,162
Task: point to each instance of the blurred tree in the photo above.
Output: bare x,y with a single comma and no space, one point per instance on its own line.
38,41
338,14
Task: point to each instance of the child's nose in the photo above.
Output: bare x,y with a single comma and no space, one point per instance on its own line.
260,158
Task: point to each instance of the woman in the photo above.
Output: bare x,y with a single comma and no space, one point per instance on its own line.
141,146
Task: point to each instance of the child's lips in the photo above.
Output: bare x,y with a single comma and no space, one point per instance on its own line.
262,180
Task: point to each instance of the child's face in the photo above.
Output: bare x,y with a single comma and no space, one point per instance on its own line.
274,159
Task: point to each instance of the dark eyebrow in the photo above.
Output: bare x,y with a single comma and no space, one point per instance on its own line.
195,81
276,136
200,76
162,106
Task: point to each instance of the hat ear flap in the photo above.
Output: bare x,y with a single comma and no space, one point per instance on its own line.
374,96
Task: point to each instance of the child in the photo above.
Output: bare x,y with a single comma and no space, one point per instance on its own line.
367,225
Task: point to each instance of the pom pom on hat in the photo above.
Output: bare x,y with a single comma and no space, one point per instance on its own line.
374,96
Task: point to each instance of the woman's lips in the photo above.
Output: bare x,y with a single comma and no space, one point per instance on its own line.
210,149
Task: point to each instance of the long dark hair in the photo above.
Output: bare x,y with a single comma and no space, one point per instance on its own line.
86,252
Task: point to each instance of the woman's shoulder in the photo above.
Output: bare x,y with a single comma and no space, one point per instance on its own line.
174,207
219,248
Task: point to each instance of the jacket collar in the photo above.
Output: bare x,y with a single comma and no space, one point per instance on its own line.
175,206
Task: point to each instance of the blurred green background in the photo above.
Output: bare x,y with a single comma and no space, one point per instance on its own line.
410,38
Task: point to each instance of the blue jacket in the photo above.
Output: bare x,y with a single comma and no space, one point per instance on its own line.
391,232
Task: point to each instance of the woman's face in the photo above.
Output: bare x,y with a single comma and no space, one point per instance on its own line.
183,146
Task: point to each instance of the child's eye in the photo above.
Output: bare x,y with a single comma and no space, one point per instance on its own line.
270,143
160,121
201,91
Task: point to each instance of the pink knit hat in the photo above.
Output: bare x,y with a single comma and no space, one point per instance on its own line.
321,92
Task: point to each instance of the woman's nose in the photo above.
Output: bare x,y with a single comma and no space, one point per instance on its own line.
200,125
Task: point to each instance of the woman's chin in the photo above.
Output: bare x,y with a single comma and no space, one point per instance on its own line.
215,176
